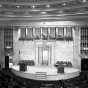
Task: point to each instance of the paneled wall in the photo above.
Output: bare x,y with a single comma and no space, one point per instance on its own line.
23,50
62,50
2,60
76,48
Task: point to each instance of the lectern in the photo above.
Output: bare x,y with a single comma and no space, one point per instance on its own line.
23,67
6,62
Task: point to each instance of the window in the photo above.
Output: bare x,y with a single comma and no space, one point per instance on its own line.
52,34
8,40
23,33
60,33
26,33
84,42
29,32
68,33
37,33
44,33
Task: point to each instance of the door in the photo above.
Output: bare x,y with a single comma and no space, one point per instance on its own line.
44,55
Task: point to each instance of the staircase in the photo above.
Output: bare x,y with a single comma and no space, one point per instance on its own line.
41,75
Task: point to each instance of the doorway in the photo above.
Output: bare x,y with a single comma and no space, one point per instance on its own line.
44,55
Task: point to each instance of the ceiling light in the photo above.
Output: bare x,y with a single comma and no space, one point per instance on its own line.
64,4
18,6
0,5
60,11
48,6
84,1
33,6
43,12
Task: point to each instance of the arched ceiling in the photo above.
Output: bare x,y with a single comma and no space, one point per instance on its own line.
43,9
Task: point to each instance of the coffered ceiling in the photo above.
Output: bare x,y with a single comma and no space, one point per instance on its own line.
43,9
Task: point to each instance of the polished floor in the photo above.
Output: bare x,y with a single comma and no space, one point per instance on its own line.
9,80
45,72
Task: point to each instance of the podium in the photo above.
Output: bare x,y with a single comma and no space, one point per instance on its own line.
6,62
60,69
84,64
23,67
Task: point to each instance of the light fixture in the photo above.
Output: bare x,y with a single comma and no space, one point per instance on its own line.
17,6
0,5
47,5
60,11
84,1
64,4
8,47
43,12
33,6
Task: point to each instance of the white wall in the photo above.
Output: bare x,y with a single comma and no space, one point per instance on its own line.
63,50
23,50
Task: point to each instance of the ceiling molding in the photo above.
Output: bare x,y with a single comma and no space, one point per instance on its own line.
14,8
69,9
80,17
32,2
23,10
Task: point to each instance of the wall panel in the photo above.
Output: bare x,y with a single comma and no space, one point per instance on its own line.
2,58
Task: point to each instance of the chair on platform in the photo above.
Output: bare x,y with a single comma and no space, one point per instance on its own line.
27,62
63,63
23,67
60,69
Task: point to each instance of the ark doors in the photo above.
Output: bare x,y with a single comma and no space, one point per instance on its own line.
44,55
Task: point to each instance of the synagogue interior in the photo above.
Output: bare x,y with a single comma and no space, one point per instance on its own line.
44,43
